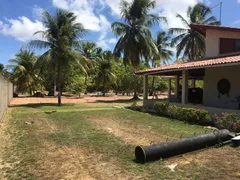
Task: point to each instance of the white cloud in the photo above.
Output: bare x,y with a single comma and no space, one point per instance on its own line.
237,21
167,8
85,11
238,1
112,40
114,6
37,12
21,29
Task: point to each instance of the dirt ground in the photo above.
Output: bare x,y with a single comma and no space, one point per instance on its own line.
75,163
86,99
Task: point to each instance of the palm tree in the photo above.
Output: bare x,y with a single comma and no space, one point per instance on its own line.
60,37
89,49
105,75
164,54
191,43
135,42
24,71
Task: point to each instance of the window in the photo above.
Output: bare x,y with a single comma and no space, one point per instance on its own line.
229,45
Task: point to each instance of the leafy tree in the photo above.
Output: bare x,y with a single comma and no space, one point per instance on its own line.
105,75
60,38
191,44
77,84
24,72
135,42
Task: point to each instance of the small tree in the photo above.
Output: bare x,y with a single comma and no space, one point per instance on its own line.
77,85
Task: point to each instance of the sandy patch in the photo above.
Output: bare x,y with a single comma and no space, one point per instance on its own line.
130,134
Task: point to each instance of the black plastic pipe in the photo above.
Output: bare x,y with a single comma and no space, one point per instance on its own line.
188,144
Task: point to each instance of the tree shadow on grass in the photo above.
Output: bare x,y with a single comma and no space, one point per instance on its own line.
38,105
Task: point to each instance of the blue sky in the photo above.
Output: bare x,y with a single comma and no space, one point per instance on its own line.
19,19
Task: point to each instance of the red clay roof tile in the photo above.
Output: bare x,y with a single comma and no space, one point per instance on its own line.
194,64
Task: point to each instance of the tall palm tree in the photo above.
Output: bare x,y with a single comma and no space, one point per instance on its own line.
191,44
163,43
135,42
105,75
61,36
24,72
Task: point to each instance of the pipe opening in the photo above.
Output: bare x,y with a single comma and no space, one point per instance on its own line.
140,154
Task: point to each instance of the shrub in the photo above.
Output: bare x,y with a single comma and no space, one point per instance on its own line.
227,121
161,108
236,126
191,115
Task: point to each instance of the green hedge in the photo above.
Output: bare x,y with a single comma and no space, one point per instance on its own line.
228,121
191,115
161,108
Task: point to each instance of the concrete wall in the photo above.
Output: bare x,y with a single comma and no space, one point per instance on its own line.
6,94
213,39
210,92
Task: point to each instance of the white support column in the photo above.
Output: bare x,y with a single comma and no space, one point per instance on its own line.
176,87
145,87
184,87
169,89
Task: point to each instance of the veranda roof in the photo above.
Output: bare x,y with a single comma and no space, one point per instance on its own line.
227,60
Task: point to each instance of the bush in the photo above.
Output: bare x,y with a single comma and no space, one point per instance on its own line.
199,116
227,121
191,115
236,126
161,108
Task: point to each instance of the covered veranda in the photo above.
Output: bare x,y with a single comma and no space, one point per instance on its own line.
183,80
210,71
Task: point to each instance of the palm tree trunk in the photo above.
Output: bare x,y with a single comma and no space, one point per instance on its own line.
59,85
30,90
104,87
135,96
153,80
55,87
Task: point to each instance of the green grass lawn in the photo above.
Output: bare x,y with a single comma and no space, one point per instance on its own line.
69,141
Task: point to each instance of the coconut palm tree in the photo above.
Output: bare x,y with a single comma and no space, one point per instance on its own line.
191,44
163,43
135,42
60,37
24,72
89,49
105,75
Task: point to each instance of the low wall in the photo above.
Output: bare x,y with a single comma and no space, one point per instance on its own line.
6,94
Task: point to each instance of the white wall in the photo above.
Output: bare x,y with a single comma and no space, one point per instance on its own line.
6,94
210,92
212,40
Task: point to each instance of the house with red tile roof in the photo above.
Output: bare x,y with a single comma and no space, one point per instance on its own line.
219,70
